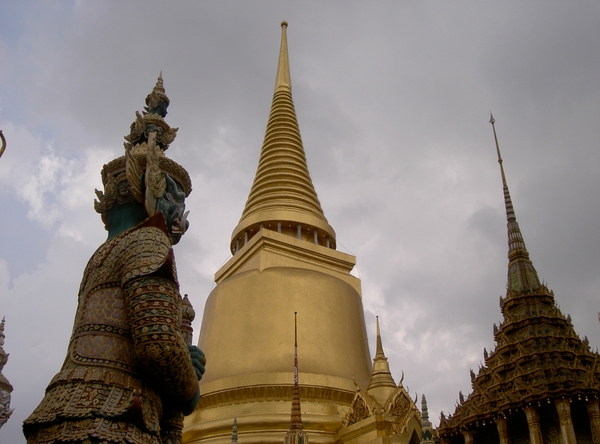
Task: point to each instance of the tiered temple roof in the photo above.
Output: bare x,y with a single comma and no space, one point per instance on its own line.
538,360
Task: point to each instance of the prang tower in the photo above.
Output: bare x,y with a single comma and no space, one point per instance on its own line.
284,261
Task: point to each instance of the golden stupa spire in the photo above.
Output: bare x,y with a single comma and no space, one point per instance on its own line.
382,383
283,197
295,433
522,276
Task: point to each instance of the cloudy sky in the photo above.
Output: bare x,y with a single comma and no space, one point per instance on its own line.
393,101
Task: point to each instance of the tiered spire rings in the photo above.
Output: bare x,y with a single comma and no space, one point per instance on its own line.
283,197
522,276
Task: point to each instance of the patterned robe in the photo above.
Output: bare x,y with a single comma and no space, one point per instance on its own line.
127,364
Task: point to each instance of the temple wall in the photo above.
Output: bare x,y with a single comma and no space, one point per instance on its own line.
487,434
518,429
550,424
581,422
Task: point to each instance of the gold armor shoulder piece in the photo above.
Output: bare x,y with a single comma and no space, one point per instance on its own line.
144,251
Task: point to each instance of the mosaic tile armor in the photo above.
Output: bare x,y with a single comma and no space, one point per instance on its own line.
128,369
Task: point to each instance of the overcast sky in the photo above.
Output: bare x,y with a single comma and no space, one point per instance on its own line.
393,101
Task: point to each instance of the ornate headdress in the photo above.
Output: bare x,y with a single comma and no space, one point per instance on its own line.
140,174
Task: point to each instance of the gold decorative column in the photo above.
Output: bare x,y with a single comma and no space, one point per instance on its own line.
594,416
502,430
533,421
563,406
469,436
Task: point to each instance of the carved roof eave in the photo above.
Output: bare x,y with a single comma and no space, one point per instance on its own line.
399,406
462,421
504,383
363,406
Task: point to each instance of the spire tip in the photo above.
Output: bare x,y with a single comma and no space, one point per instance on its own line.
284,24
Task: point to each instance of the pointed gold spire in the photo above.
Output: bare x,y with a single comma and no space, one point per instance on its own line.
379,347
382,383
522,276
283,197
295,434
283,81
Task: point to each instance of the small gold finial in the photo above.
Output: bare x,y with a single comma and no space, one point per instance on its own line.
284,23
379,348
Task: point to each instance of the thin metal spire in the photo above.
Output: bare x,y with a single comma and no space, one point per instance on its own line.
234,432
522,276
295,434
295,348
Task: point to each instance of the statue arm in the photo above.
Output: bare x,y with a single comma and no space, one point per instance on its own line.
154,314
153,307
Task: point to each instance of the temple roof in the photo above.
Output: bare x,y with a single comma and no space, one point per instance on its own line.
282,191
538,356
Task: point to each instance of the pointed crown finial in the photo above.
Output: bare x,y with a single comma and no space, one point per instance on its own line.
157,101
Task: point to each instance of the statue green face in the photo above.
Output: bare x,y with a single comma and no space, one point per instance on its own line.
172,205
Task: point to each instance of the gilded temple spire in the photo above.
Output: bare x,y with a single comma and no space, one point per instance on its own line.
426,426
382,384
283,197
295,434
522,276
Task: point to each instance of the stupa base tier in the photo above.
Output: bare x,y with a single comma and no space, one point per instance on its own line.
266,417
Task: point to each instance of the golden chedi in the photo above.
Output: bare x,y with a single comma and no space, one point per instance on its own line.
284,261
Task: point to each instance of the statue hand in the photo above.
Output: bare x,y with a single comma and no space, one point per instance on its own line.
198,360
187,408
